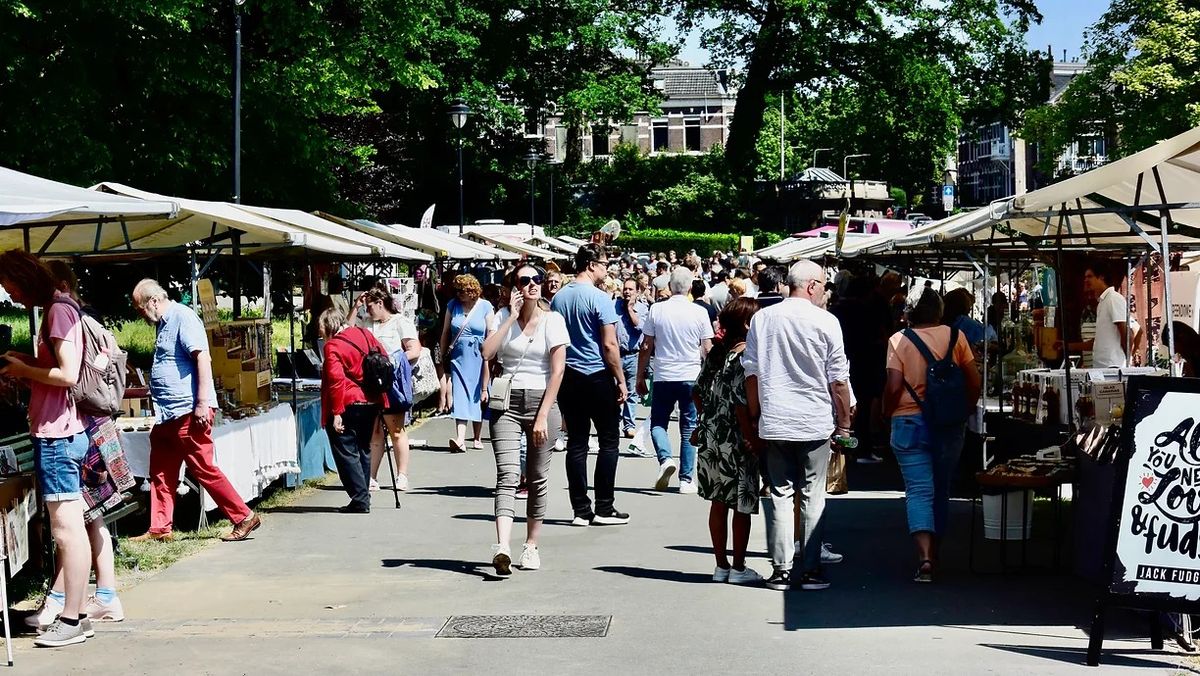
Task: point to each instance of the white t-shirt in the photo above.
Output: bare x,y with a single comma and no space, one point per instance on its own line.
531,372
678,326
1108,350
393,332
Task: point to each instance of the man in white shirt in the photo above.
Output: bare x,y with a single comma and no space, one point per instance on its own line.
797,383
678,335
1112,315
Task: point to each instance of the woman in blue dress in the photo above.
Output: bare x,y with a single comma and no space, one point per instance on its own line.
466,327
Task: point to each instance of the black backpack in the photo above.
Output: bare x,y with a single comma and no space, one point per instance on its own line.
379,374
945,403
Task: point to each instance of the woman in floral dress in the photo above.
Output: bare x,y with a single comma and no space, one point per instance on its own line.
727,469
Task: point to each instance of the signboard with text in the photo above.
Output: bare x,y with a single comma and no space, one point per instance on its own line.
1153,558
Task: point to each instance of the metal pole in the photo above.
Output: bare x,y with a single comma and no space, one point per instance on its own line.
1060,321
1168,311
462,218
195,275
237,275
1146,274
532,216
1128,308
551,197
237,103
781,142
983,417
266,270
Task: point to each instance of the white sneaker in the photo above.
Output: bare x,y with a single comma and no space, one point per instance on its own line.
502,560
745,576
720,574
374,485
666,470
560,444
401,482
688,488
581,521
530,559
104,612
871,459
828,555
45,615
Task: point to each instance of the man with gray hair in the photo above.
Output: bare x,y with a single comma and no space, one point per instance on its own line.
677,334
181,385
797,383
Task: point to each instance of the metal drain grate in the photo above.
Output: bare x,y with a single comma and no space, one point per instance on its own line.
526,626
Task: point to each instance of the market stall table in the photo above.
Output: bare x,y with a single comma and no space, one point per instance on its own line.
252,452
1024,474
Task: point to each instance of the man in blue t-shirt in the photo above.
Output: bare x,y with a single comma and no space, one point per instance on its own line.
593,386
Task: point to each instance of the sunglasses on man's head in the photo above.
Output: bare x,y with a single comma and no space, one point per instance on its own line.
525,280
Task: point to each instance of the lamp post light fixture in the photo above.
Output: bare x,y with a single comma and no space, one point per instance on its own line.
531,161
815,151
846,173
458,117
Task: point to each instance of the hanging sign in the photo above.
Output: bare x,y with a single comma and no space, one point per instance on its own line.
1153,558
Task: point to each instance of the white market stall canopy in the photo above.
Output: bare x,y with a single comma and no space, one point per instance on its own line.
572,240
514,246
309,223
432,242
555,243
206,222
67,218
1118,205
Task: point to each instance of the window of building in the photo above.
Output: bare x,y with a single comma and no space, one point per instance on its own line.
599,142
660,136
629,134
691,134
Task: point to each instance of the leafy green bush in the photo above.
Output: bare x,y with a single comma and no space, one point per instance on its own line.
653,240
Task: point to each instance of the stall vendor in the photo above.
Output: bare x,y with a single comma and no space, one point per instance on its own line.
1113,332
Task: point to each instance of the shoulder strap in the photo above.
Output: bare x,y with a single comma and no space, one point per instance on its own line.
953,344
44,329
920,345
463,329
351,342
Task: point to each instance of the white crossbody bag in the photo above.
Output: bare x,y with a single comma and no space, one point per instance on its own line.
500,391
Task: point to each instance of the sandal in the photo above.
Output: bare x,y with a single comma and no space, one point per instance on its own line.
924,572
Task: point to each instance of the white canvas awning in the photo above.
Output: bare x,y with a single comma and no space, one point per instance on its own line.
65,218
201,220
432,242
553,243
799,248
309,223
514,246
573,240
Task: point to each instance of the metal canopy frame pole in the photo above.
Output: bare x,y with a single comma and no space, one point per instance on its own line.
1060,321
237,275
1164,226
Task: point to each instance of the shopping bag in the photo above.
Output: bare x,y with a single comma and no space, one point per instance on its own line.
835,478
642,443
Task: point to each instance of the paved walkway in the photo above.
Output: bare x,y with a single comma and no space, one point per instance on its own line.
321,592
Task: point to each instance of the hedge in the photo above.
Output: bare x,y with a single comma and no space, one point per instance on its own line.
654,240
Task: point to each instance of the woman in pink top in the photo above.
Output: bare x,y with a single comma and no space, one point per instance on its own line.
56,428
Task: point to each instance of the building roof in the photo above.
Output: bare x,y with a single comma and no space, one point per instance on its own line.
691,83
820,175
1062,75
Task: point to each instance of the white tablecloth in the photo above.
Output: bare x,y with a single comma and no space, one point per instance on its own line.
252,452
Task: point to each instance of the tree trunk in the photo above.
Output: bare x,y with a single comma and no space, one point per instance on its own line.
740,151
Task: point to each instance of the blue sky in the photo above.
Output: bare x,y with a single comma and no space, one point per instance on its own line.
1063,24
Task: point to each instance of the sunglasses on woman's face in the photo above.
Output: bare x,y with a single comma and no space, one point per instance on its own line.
524,281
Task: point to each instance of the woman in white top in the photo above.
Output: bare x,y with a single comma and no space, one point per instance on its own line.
396,333
530,343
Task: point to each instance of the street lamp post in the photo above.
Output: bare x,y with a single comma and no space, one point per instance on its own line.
531,161
458,116
815,151
846,173
237,148
552,164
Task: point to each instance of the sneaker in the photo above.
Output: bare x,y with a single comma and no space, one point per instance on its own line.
828,555
560,444
666,470
86,625
720,574
530,559
744,576
780,580
104,612
60,634
871,459
374,486
401,482
688,488
501,560
583,520
613,518
636,449
813,582
45,615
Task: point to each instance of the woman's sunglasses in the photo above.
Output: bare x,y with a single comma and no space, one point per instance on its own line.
525,281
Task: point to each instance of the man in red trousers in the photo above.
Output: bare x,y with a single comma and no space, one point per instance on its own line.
181,384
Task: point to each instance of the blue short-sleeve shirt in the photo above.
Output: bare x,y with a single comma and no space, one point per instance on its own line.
586,310
173,372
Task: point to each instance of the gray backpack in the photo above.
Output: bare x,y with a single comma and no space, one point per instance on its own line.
101,385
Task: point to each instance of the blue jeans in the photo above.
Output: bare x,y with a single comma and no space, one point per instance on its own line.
629,364
664,399
927,462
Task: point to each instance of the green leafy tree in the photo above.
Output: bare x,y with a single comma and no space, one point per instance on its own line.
1143,85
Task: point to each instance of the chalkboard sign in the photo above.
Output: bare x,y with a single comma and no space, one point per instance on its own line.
1154,547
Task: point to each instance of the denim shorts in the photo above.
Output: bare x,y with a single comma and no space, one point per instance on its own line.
58,465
